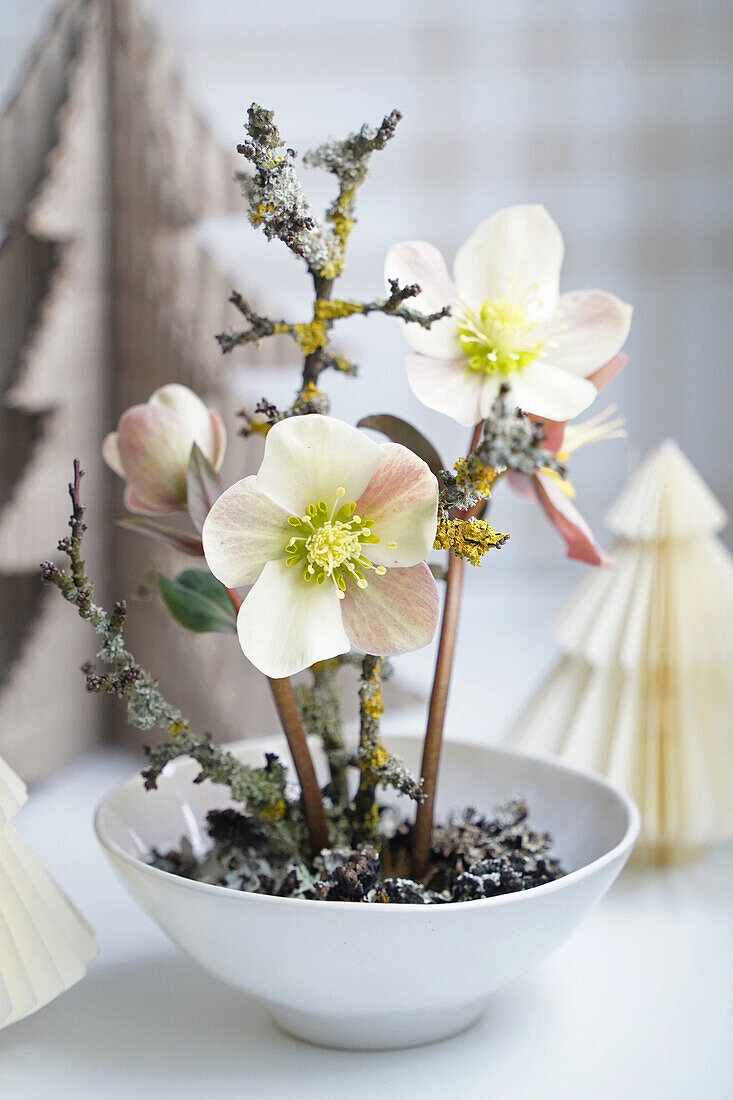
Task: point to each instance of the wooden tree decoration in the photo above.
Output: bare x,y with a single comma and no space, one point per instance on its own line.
45,945
105,294
644,692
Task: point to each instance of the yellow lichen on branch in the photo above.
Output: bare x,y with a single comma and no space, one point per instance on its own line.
469,471
313,335
467,538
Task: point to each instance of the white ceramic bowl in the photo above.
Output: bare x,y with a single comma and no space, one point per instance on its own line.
375,976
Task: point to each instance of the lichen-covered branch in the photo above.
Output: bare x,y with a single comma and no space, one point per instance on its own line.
320,708
274,194
262,790
509,440
378,766
313,336
348,160
512,441
277,204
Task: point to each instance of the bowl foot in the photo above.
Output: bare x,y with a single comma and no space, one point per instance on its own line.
379,1031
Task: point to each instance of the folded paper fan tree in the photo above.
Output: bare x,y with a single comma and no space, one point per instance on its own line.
643,693
45,945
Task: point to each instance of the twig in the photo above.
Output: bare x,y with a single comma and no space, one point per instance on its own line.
147,708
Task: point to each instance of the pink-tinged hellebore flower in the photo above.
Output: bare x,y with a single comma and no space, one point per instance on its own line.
556,494
151,448
508,322
332,533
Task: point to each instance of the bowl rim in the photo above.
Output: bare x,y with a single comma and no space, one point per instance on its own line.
621,850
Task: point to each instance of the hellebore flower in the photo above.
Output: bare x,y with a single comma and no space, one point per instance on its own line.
332,533
151,448
508,322
555,494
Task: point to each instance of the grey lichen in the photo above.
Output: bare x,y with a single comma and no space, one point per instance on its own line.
274,194
512,441
509,440
471,858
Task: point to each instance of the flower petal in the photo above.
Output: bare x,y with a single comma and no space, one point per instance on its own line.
219,438
567,520
522,484
592,328
420,262
111,454
154,453
554,433
491,384
448,386
194,418
402,499
395,613
549,392
606,374
287,624
308,457
521,247
243,530
133,503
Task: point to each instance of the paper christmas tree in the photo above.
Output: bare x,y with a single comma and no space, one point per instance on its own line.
45,945
105,294
644,693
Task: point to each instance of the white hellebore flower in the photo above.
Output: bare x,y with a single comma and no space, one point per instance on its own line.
508,322
332,533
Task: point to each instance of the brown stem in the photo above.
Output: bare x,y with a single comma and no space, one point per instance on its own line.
423,831
289,715
290,720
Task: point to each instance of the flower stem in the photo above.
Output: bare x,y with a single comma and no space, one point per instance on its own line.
423,830
292,725
289,715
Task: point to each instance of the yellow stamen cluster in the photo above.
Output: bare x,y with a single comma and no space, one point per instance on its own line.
328,544
498,337
467,538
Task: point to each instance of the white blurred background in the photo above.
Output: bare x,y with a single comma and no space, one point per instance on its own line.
616,115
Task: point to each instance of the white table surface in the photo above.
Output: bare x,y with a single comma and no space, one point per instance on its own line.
637,1003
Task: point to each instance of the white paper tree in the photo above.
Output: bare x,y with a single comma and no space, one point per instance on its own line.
105,294
644,693
45,945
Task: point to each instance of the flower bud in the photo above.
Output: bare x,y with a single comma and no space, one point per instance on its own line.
151,448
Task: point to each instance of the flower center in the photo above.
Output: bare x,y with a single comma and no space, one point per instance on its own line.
328,543
498,338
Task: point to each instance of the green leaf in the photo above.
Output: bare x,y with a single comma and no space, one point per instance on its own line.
181,540
198,601
203,487
399,431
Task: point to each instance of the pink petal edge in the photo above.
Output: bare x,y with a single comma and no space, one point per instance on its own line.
395,613
568,522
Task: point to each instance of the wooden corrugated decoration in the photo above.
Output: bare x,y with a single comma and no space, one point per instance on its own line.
105,294
644,692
